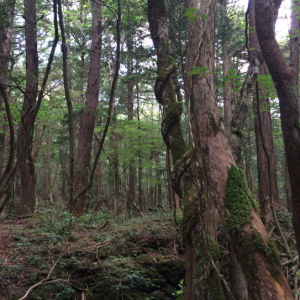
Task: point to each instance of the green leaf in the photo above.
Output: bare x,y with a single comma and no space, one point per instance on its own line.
198,70
204,17
190,12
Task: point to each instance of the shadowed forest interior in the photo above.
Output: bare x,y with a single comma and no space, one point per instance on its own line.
149,149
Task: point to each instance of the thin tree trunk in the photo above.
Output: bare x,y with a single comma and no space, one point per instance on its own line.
87,129
169,178
130,101
288,191
284,79
140,171
69,105
294,39
266,138
250,182
226,58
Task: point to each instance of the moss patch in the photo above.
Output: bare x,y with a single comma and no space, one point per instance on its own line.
214,126
270,252
204,270
238,200
202,256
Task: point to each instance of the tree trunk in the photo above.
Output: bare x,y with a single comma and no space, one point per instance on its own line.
87,129
294,39
25,132
284,79
225,184
169,178
250,182
226,58
132,184
266,138
140,171
6,31
204,279
288,191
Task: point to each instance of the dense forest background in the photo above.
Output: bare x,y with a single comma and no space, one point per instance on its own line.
133,112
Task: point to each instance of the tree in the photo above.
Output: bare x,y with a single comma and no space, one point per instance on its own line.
263,132
88,122
224,186
6,31
200,245
26,128
284,79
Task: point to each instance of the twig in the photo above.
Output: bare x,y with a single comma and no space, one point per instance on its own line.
290,261
45,280
161,224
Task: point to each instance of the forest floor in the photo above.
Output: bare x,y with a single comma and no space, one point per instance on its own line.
53,255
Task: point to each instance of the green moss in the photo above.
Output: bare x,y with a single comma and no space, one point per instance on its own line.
202,255
270,252
238,200
215,290
238,132
191,194
214,127
204,270
174,111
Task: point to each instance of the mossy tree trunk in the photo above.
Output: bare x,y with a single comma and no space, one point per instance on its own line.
226,187
202,280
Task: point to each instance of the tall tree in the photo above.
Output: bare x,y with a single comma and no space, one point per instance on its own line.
202,281
26,128
92,96
225,186
6,31
226,58
284,79
264,135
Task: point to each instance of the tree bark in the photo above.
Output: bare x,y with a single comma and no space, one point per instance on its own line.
6,31
226,58
69,105
284,79
224,180
87,129
204,282
25,132
266,137
132,183
294,39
